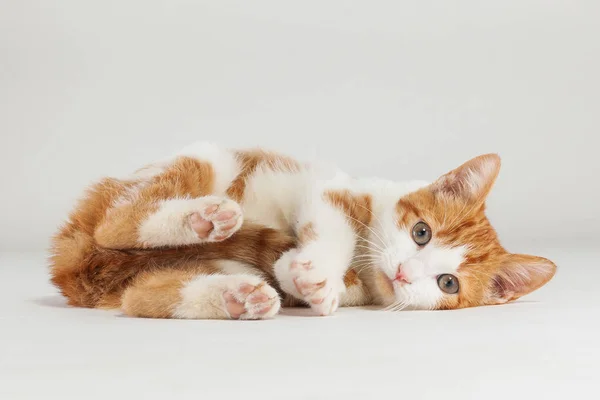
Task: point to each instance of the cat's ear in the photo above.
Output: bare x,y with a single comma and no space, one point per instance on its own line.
472,180
518,275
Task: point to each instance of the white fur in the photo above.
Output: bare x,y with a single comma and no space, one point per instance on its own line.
423,269
329,254
272,197
276,198
225,166
231,267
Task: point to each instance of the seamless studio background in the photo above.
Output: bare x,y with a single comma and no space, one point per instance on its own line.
396,89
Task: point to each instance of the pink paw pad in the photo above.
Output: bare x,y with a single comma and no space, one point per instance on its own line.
217,222
235,308
313,285
251,302
305,265
202,227
308,288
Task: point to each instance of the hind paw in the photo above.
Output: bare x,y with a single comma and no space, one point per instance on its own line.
249,301
217,219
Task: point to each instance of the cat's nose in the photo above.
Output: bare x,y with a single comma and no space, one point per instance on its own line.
401,276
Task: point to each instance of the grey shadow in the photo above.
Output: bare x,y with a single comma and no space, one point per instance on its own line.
56,301
297,312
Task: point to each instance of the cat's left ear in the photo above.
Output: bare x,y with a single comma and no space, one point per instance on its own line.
471,181
518,275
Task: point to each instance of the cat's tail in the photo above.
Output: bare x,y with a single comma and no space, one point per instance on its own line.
92,276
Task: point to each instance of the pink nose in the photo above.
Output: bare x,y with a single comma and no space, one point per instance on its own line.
400,276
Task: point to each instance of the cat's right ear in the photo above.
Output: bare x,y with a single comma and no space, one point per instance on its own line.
471,181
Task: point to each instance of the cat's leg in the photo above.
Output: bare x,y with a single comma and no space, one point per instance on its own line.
327,231
180,205
190,221
314,272
171,222
197,294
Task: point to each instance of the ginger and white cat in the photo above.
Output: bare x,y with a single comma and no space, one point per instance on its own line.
218,233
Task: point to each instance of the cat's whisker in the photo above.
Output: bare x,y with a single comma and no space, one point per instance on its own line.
407,302
375,251
387,240
374,257
369,228
401,306
392,306
371,257
369,242
362,268
362,261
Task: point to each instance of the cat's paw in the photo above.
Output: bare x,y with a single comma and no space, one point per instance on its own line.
251,299
315,288
306,280
216,219
238,296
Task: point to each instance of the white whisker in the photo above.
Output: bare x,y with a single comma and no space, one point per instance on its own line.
387,240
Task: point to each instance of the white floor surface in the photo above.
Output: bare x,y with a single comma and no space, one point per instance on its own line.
545,346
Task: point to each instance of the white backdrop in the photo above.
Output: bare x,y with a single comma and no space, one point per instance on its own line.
390,88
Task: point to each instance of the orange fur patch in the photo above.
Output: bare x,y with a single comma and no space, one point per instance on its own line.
356,207
155,294
351,278
118,229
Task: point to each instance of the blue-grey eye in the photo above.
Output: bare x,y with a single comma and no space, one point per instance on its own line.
421,233
448,283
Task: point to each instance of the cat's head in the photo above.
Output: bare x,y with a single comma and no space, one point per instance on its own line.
441,252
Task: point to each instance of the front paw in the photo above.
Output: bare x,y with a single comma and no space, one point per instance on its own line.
309,282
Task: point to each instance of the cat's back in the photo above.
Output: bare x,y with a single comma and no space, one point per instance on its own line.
265,183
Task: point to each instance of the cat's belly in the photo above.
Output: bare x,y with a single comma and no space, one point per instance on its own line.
271,198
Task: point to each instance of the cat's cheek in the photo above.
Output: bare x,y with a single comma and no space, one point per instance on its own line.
428,296
385,287
447,302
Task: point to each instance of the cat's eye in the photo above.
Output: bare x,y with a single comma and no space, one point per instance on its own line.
448,283
421,233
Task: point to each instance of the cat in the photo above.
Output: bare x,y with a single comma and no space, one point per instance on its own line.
213,233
